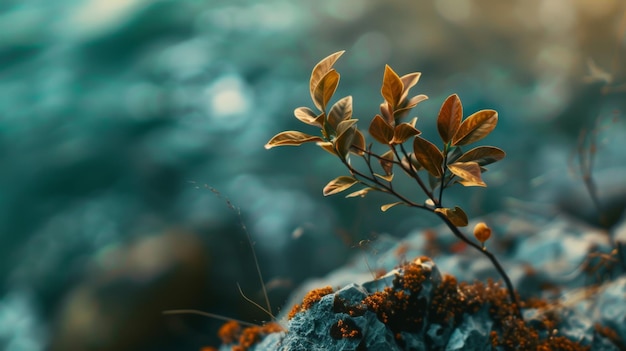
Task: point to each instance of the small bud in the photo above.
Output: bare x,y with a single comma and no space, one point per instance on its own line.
482,232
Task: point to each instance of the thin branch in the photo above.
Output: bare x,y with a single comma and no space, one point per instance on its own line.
415,175
210,315
455,230
443,176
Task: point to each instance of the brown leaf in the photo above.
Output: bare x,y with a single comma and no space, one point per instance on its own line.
403,132
483,155
387,178
338,185
415,100
341,111
386,161
455,215
475,127
469,172
408,82
325,89
405,108
387,113
327,146
449,119
345,125
291,137
381,130
392,87
429,156
344,140
358,143
361,192
306,115
385,207
321,69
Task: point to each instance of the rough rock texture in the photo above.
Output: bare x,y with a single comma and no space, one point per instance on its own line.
414,307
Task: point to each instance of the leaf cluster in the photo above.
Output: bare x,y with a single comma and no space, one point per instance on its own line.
434,168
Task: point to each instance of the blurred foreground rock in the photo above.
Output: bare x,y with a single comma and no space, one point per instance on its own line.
119,305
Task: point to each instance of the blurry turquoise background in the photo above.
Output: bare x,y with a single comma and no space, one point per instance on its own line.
118,118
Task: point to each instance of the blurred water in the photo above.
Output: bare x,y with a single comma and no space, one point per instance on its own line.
115,114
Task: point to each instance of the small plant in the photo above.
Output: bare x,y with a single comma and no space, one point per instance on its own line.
432,168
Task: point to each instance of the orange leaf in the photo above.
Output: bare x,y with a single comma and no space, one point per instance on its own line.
325,89
469,172
408,82
403,132
406,107
449,119
386,161
358,143
385,207
381,130
455,215
475,127
387,113
344,140
483,155
291,137
321,69
327,146
341,110
345,125
361,192
392,87
387,178
429,156
306,115
338,185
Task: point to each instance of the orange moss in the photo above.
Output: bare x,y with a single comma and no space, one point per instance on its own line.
345,329
446,305
395,307
402,308
398,308
229,332
244,338
309,299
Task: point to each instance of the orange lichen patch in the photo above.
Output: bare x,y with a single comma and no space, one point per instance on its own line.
309,299
516,335
208,348
402,308
381,304
345,329
413,277
229,332
244,338
396,306
446,305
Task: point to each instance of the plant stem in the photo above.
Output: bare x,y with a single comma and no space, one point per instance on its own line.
455,230
443,174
